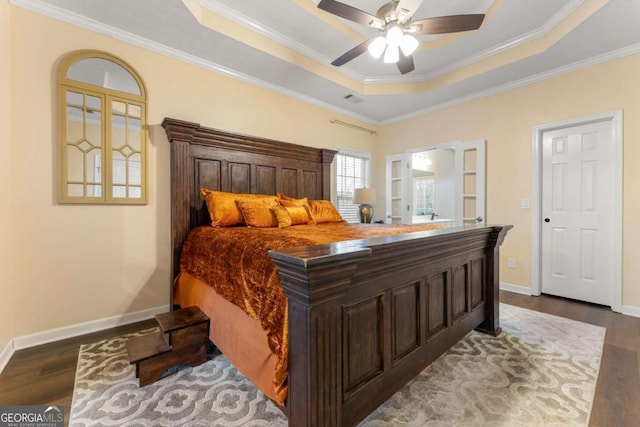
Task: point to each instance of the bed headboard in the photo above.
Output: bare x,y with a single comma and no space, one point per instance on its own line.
202,157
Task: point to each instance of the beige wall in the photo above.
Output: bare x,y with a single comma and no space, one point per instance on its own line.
6,263
506,120
75,264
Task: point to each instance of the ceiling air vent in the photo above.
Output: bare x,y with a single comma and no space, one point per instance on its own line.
353,99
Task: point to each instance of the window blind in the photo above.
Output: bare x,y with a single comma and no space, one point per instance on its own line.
352,171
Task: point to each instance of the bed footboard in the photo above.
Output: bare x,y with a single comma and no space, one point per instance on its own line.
365,317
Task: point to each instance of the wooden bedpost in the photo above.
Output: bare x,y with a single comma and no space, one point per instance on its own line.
327,159
491,324
180,135
314,286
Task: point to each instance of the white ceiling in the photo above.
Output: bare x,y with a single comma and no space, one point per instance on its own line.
288,45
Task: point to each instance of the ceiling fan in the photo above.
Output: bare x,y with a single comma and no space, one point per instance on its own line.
394,22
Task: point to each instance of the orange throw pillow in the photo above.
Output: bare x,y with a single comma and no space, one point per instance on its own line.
257,215
323,211
290,201
225,212
291,215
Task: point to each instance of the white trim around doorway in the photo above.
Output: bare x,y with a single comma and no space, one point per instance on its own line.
536,192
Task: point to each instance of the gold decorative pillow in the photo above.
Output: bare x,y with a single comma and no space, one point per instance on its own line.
225,212
323,211
291,215
256,215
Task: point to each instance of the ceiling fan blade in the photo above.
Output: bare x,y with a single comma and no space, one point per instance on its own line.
406,9
349,12
405,64
448,24
352,54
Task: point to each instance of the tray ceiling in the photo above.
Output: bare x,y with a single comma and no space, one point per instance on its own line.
288,46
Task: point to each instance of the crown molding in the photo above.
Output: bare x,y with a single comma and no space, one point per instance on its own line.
556,72
136,40
272,34
541,31
64,15
241,19
567,9
276,36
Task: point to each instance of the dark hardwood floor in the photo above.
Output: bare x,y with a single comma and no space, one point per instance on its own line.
45,374
617,398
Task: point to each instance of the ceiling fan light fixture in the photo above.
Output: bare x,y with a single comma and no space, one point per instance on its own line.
391,55
395,22
377,46
394,35
408,44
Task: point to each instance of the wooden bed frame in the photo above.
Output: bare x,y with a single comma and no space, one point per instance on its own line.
366,316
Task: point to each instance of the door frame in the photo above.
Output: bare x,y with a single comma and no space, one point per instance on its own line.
615,117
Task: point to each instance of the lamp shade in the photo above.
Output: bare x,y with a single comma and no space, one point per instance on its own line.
377,46
391,55
408,44
364,196
394,35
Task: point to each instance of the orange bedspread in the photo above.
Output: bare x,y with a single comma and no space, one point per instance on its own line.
235,262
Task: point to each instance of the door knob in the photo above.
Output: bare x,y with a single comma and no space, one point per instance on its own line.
547,220
479,219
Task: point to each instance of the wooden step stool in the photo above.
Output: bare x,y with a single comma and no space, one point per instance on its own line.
182,340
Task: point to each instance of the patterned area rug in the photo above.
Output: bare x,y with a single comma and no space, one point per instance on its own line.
540,371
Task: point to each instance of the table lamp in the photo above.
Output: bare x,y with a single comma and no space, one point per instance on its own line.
365,197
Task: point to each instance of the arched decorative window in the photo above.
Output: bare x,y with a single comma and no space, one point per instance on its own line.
102,108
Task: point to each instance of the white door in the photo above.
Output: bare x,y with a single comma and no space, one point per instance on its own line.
399,188
577,212
470,188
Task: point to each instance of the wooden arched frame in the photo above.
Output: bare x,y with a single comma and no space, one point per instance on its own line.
102,133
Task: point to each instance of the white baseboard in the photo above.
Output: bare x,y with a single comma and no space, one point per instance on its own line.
44,337
627,310
6,354
631,310
524,290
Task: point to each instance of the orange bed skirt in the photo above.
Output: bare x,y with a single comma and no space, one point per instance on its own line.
249,351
